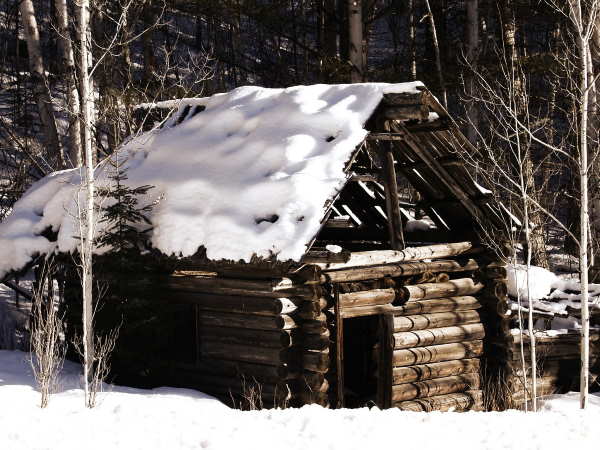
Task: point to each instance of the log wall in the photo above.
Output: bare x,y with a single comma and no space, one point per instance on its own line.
431,333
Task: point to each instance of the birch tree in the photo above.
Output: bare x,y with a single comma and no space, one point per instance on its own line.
355,36
583,16
40,81
87,225
472,44
68,68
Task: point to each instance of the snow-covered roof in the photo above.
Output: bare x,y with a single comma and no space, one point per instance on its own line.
249,175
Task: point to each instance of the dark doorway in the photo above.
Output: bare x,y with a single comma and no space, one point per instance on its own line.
360,361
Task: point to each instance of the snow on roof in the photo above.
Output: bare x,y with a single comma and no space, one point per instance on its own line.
248,175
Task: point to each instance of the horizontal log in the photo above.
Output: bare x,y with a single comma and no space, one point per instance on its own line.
437,386
381,257
404,112
367,298
325,257
361,311
315,341
434,370
447,304
434,320
224,367
446,335
251,321
313,326
241,304
315,361
244,353
385,136
461,286
465,401
285,287
437,353
404,98
399,270
262,338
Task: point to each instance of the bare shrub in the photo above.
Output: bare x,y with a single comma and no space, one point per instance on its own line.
100,367
47,335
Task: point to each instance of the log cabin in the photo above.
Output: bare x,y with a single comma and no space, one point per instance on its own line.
346,300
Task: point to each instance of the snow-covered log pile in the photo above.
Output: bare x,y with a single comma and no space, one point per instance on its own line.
556,310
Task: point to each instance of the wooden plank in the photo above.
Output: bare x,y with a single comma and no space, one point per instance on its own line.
445,335
391,194
437,386
437,353
381,257
434,320
452,288
339,346
435,370
385,356
443,175
438,305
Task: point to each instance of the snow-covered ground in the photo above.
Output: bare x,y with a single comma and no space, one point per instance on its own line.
169,418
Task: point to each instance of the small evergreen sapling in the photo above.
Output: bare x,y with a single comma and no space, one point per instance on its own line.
125,224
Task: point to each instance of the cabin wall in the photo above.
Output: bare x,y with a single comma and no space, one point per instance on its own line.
431,333
258,340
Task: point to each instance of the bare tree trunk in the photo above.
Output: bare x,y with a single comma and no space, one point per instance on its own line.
40,82
68,64
412,39
472,47
436,48
88,225
355,36
582,37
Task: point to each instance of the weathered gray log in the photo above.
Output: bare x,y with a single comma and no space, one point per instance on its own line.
325,257
226,367
244,353
361,311
462,286
221,319
241,304
399,270
381,257
446,335
437,386
315,361
405,112
310,341
434,370
465,401
437,353
434,320
243,336
405,98
285,287
367,298
438,305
